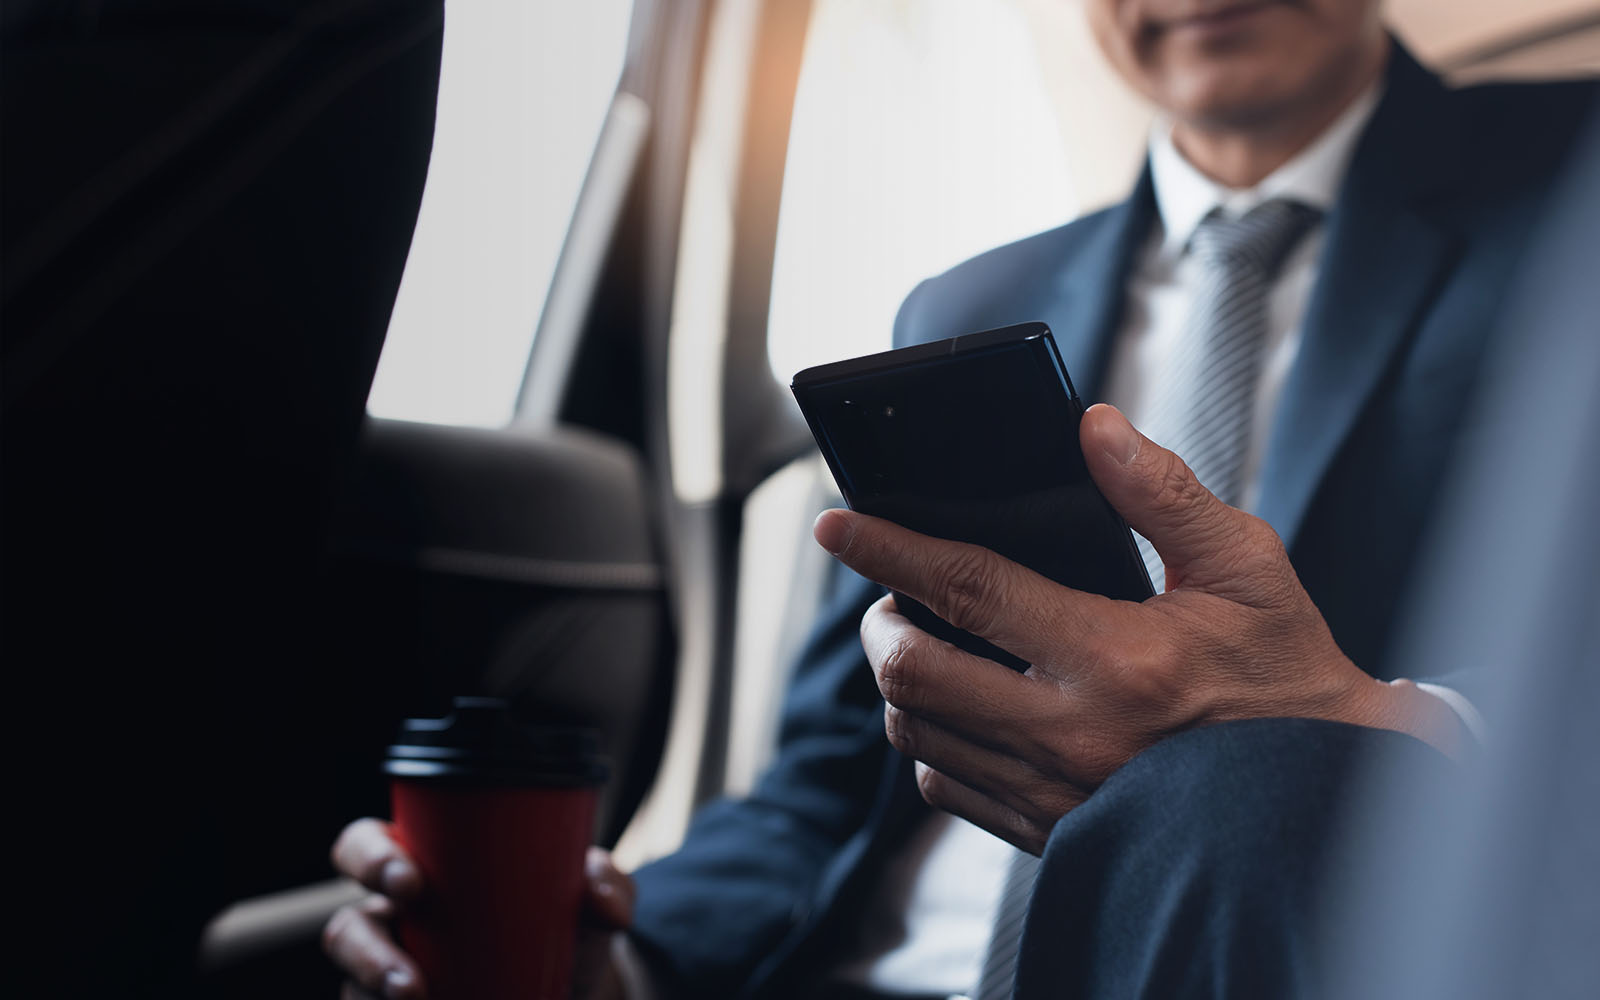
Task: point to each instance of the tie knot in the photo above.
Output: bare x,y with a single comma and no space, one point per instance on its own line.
1259,239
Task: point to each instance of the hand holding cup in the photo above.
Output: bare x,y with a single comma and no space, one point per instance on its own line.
483,873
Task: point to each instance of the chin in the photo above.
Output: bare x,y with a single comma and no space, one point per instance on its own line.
1239,93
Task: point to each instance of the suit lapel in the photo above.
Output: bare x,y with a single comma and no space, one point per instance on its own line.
1087,312
1382,262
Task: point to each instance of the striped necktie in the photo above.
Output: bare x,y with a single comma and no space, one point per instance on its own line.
1000,963
1203,404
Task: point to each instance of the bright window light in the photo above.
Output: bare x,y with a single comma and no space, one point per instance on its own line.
923,134
523,90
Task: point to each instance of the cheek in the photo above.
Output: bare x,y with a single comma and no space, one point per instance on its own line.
1345,18
1115,27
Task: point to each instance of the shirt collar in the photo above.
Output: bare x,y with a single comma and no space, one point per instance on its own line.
1185,196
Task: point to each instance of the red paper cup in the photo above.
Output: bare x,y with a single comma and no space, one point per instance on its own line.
497,816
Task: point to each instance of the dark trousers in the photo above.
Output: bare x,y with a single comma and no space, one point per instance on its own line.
1197,870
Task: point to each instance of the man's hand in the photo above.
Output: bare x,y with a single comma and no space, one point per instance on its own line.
361,943
1234,637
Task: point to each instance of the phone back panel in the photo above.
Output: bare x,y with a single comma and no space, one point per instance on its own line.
974,439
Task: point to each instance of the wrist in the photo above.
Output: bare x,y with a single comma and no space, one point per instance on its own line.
1402,706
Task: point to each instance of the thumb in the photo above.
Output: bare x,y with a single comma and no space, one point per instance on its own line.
1196,534
609,891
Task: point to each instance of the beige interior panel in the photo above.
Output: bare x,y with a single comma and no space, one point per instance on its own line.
1443,32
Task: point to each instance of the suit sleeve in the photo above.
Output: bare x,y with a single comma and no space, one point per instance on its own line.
748,868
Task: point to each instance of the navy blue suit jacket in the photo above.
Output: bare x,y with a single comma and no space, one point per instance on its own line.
1424,236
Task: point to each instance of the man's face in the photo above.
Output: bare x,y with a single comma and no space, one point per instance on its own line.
1233,63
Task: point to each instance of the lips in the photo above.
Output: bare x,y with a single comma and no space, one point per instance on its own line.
1214,16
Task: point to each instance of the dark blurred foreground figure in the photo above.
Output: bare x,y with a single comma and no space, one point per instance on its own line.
206,211
1489,886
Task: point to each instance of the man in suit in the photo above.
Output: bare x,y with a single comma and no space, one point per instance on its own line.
1239,697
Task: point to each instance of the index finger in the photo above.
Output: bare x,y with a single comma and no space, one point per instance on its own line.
976,698
368,852
967,585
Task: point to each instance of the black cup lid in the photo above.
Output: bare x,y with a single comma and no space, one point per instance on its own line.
483,741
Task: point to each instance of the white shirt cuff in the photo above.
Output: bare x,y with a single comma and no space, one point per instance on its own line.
1465,710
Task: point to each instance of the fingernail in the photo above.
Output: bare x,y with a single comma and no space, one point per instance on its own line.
398,878
832,530
396,981
1119,440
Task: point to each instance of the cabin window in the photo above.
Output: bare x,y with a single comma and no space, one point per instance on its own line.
925,132
523,90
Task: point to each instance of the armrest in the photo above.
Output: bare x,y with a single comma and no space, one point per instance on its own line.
254,928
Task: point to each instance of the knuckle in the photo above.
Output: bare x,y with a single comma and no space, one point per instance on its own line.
347,847
1261,558
897,672
897,726
336,930
362,850
337,851
1177,488
1157,660
1034,838
1159,679
1265,537
597,864
971,587
934,787
1259,540
1267,546
1150,673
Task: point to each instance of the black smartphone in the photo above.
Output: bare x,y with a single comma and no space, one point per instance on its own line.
974,439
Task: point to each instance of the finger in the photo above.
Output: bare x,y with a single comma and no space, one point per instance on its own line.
357,939
611,892
943,792
1011,781
368,852
968,586
920,673
1197,535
